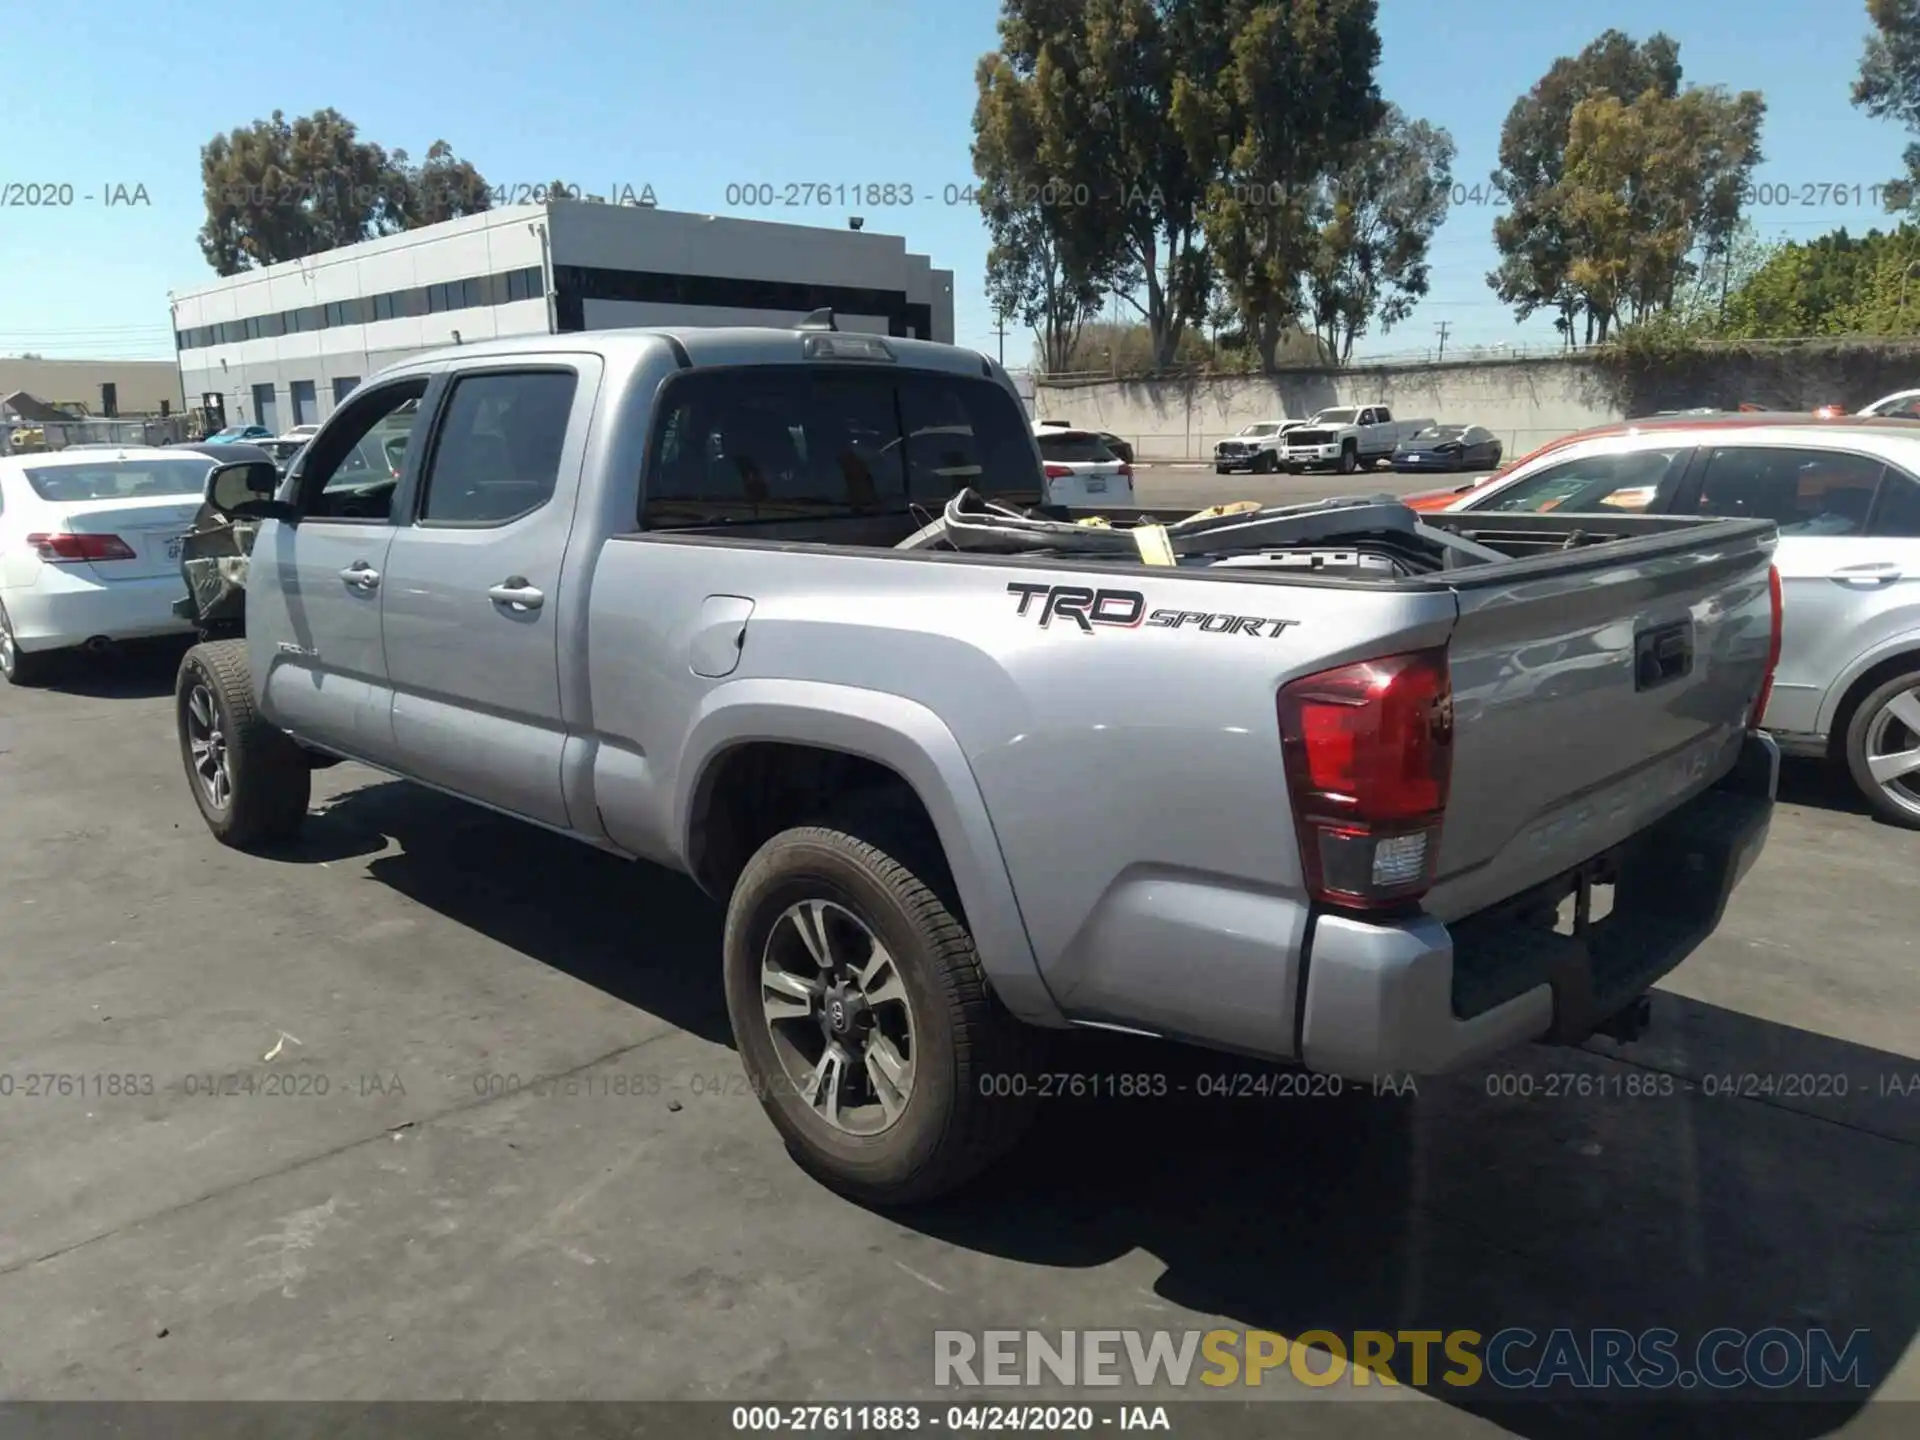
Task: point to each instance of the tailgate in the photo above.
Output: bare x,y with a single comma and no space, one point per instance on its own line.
1595,691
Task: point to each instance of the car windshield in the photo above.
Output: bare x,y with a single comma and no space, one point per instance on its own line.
1260,429
1335,417
118,480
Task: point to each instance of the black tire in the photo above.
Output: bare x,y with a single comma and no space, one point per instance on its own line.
1860,730
1223,469
23,667
1265,463
1349,459
964,1043
268,779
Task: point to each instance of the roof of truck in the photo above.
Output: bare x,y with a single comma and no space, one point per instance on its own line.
708,345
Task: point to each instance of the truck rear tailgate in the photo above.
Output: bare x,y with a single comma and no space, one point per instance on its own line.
1594,692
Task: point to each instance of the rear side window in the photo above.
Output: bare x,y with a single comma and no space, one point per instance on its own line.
1620,482
766,443
1898,514
1804,492
1070,447
498,452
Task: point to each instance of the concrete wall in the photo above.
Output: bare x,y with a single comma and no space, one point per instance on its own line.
141,384
1524,402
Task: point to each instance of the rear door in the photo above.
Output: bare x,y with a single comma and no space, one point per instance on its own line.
474,598
1849,557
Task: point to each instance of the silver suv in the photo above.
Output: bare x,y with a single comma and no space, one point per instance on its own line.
1846,496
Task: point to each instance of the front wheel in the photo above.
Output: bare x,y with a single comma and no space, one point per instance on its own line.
863,1016
1349,459
1883,749
251,782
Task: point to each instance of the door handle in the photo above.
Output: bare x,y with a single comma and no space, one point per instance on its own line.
361,576
1879,574
516,594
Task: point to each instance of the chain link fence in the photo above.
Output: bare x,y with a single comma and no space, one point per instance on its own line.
30,437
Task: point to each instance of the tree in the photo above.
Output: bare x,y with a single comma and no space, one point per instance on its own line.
1889,83
1646,185
1534,251
1296,100
1108,79
1375,220
281,189
1048,267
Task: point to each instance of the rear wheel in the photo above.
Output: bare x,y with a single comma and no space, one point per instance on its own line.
251,782
22,667
1883,749
863,1016
1265,463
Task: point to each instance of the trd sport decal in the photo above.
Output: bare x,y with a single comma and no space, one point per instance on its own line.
1127,610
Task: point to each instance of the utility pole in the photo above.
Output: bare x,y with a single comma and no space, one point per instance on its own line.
1443,327
1000,331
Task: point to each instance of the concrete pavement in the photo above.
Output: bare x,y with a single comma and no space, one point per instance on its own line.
285,1140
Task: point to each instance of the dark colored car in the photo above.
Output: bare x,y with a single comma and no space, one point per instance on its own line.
1448,447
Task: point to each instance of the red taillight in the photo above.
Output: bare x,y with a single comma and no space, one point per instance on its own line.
1369,756
1777,602
1126,469
1058,472
61,547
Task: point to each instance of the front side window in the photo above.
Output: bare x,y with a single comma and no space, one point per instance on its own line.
352,468
498,453
1625,482
1804,492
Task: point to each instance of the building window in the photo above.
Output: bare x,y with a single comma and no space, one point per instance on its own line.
305,412
109,399
343,387
470,294
516,286
264,410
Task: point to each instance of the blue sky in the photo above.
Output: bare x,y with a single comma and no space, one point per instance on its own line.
690,98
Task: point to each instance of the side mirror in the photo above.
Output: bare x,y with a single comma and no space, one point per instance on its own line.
231,486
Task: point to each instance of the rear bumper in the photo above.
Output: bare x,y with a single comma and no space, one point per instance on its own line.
63,609
1421,997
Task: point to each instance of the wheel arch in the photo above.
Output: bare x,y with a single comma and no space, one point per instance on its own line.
823,740
1858,680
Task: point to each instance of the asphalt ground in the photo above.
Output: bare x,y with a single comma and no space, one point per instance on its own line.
270,1130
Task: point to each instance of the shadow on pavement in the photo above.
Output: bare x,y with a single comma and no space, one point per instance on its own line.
1516,1196
1823,784
142,670
1724,1171
637,932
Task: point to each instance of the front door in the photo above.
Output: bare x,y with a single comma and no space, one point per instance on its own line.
314,585
474,603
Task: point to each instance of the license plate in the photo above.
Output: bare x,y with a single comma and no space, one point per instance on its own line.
173,546
1096,484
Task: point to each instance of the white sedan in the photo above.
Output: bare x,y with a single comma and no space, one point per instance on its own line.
1082,473
90,550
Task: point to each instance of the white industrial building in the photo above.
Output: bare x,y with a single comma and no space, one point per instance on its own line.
281,346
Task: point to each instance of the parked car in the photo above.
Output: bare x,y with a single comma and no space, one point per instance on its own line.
235,434
1122,450
1081,471
1256,449
1846,499
90,550
1901,405
1347,437
300,432
998,772
1448,447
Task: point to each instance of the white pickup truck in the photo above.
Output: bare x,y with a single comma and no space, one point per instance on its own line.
1347,437
1255,449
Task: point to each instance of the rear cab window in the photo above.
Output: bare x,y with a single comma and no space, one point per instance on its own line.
764,443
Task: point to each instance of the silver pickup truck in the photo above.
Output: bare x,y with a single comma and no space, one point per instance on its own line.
1333,785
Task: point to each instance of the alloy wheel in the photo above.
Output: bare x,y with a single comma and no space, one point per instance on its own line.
1893,750
207,744
839,1016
